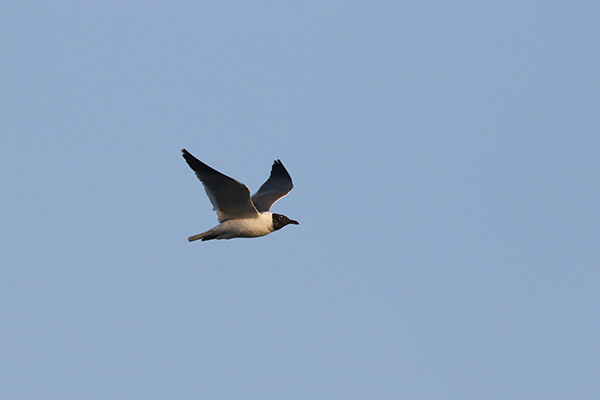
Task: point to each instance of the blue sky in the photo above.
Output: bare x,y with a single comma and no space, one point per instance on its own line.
445,162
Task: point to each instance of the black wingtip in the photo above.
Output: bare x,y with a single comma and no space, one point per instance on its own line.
279,170
189,157
192,161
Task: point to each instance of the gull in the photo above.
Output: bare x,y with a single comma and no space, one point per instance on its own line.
239,214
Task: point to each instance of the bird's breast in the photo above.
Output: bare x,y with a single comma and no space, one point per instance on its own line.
251,227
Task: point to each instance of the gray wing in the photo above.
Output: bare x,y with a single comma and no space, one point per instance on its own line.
277,186
230,198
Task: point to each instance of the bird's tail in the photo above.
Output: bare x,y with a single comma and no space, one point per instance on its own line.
208,235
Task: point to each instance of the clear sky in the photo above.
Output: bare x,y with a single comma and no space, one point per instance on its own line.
445,157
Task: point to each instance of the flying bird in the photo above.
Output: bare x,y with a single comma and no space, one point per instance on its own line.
239,214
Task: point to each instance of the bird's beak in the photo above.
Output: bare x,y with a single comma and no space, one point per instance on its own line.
294,222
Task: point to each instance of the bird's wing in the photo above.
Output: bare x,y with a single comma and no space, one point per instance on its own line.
277,186
230,198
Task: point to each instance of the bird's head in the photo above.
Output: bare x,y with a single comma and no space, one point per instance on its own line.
279,221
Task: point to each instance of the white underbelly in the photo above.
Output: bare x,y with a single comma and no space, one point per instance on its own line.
254,227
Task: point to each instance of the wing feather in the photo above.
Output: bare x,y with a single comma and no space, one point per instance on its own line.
230,198
277,186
